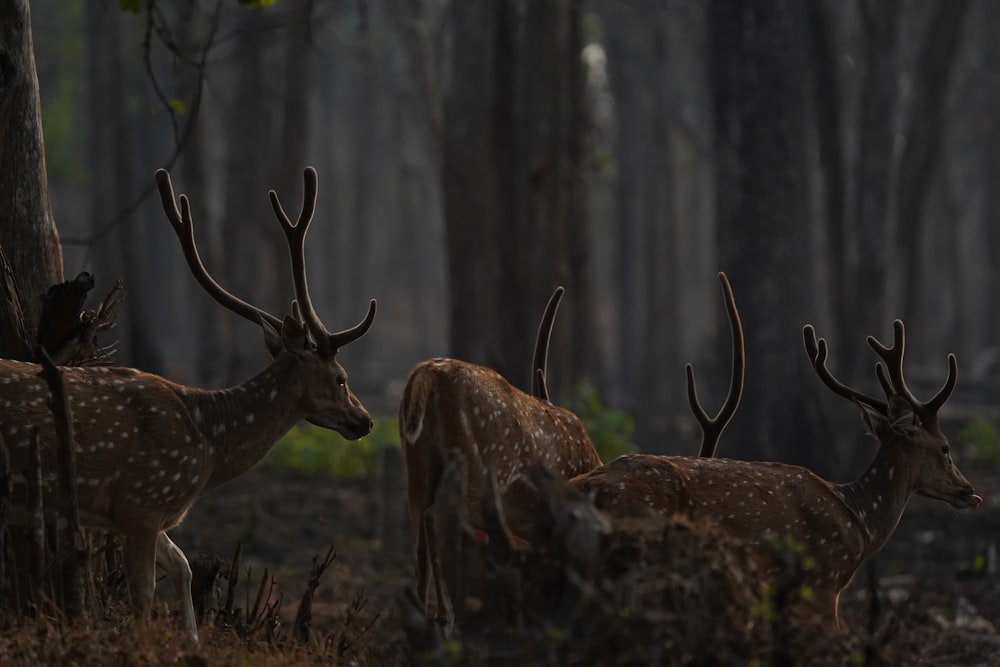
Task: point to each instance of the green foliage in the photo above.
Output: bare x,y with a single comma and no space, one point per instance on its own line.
322,451
765,609
982,437
130,6
258,3
61,71
609,428
177,106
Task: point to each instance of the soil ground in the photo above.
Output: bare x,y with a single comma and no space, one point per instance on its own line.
937,577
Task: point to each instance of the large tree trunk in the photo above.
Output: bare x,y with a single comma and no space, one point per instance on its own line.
646,262
869,229
924,140
760,188
27,231
255,250
511,187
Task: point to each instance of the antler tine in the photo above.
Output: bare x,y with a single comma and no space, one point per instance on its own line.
883,379
183,225
712,428
816,350
539,360
892,379
539,388
295,234
296,237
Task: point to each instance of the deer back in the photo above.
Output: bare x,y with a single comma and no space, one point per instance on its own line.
454,405
136,442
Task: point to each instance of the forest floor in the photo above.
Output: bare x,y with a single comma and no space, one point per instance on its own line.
937,577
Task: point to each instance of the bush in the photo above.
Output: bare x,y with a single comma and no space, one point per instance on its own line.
318,450
609,428
980,436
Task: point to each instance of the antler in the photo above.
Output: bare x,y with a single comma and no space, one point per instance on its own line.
539,360
183,225
816,350
890,375
326,342
712,428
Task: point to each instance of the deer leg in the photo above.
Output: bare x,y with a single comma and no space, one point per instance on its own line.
423,573
443,613
139,555
173,560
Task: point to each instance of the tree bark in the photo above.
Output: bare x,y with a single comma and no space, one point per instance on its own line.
760,184
511,183
924,137
27,231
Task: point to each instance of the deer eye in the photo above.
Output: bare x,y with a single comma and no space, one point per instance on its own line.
341,381
946,450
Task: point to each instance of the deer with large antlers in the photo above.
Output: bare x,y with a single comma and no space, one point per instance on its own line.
450,405
840,525
149,448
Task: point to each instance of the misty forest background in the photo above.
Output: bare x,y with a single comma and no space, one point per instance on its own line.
839,160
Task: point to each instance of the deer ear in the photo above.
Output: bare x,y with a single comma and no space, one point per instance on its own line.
293,335
272,339
874,421
902,419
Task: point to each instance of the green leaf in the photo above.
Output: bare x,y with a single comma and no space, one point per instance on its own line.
133,6
177,106
258,3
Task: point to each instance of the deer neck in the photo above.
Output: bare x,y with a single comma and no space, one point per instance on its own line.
879,496
241,424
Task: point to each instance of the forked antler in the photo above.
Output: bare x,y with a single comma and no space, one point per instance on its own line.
712,428
302,309
183,225
890,375
539,360
816,350
326,342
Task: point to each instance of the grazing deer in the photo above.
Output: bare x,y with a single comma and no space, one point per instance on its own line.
149,448
524,499
840,525
450,405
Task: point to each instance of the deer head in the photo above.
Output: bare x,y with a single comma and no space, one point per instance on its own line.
329,402
901,422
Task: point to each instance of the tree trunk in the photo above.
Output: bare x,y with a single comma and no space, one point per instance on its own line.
869,232
27,231
511,188
760,184
924,137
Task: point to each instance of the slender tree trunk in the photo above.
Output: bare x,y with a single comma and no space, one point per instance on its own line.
827,103
869,231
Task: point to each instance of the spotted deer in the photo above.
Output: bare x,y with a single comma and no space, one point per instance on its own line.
149,448
450,405
524,501
839,525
